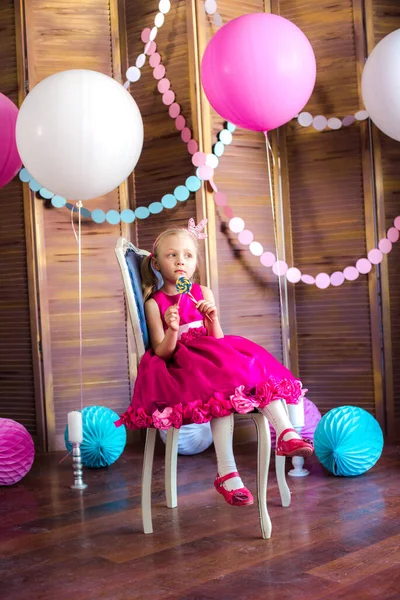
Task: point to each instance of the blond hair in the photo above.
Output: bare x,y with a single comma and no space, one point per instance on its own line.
149,278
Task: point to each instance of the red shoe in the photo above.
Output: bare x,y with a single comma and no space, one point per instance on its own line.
293,447
239,497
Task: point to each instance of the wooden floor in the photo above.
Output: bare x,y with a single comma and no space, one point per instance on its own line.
338,540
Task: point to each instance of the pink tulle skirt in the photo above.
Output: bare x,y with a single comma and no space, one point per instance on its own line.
207,378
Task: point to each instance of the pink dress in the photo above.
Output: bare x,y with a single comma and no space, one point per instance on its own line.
206,377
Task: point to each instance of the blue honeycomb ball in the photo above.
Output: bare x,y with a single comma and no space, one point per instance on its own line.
348,441
103,442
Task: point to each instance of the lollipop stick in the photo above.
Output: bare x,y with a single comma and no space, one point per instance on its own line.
195,301
179,299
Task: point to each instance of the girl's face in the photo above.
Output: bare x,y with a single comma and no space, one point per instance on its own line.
176,257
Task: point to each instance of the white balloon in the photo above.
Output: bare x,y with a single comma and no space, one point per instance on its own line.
380,85
193,438
79,134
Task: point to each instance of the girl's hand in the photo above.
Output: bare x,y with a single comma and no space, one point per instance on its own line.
171,317
205,307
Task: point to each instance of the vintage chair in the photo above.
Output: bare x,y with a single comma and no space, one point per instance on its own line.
129,259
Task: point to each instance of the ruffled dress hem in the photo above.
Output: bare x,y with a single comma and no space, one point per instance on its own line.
244,400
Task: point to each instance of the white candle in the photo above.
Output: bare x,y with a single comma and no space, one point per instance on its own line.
75,427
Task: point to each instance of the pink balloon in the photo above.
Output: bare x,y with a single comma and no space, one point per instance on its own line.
10,162
258,71
397,222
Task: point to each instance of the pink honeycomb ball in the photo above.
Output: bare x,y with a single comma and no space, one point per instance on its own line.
17,451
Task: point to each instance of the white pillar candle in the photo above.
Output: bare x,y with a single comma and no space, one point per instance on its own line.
75,435
296,414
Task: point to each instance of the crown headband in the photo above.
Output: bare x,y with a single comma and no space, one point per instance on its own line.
197,230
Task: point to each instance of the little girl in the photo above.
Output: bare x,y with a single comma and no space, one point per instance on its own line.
195,374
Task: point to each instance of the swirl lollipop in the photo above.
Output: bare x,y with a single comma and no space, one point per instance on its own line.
183,286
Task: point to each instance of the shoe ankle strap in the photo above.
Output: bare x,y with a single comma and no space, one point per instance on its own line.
284,432
221,480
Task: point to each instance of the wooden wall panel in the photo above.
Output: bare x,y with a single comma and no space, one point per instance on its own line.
65,35
17,389
325,172
383,17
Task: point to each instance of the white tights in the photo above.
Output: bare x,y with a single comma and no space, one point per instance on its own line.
222,432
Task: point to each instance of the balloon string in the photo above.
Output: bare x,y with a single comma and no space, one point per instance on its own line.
274,223
64,457
79,240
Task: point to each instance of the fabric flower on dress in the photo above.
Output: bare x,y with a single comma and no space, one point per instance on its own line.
201,414
264,394
192,334
241,403
288,390
196,412
142,419
219,406
177,416
162,420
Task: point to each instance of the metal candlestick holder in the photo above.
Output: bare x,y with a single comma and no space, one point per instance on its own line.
77,466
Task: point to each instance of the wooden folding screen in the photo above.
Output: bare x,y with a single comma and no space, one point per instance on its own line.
63,36
337,187
19,349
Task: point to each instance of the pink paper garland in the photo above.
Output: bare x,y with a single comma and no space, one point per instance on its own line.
246,236
293,274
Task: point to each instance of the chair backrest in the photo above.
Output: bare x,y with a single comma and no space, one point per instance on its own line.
129,259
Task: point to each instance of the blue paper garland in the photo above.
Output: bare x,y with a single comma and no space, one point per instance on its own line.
113,217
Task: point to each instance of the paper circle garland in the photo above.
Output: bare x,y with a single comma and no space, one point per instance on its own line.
17,451
103,442
348,441
193,438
